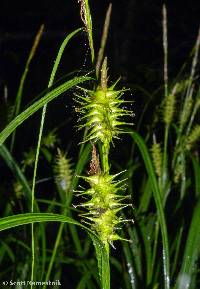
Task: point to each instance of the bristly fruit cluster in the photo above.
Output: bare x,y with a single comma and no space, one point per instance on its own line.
104,204
102,112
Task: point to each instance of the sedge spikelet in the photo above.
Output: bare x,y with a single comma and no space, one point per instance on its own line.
157,158
50,140
63,171
169,106
102,111
18,189
103,114
197,104
28,159
186,111
178,170
104,204
193,137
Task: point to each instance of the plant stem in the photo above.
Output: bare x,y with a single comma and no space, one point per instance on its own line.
51,80
103,40
105,152
165,49
33,190
165,161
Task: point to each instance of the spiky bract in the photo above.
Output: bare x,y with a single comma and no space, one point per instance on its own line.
104,203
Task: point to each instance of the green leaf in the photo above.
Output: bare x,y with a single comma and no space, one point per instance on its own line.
191,252
83,282
103,262
13,166
196,168
88,20
29,218
38,104
7,249
157,197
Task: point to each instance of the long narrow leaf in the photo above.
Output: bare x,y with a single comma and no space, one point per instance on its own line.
103,262
196,168
13,166
38,104
191,252
157,197
23,219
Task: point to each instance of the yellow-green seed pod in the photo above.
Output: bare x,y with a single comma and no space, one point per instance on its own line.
169,108
63,171
185,114
28,159
18,189
177,173
102,114
178,170
105,202
102,111
49,140
157,158
193,137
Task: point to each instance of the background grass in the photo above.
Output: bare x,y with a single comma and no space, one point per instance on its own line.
163,184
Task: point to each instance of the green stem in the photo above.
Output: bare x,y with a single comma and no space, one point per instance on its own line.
150,277
23,78
106,268
105,152
51,80
165,160
33,191
57,242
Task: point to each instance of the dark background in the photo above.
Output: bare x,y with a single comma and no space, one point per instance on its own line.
134,47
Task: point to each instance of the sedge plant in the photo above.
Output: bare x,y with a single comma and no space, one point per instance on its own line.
88,194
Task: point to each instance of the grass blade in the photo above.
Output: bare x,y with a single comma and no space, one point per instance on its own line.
191,252
79,167
103,262
51,81
13,166
29,218
23,78
103,40
38,104
157,197
196,168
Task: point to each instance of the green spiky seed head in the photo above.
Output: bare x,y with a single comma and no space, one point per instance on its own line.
157,158
28,159
104,203
18,189
185,114
193,137
63,171
102,113
50,140
169,108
